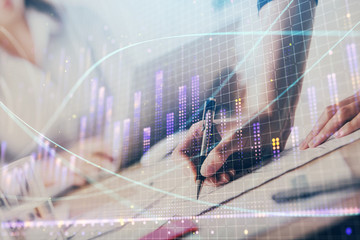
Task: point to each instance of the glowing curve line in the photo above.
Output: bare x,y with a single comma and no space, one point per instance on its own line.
173,194
139,183
82,78
302,213
44,223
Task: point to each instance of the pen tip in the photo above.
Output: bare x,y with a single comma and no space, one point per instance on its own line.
198,183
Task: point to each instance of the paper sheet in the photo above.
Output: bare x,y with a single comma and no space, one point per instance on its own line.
182,201
168,193
256,213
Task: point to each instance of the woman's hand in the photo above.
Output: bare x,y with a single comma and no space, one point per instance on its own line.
338,120
189,148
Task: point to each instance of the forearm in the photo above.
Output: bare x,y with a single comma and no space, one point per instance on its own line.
285,53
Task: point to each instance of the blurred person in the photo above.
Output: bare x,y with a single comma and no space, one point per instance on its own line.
44,49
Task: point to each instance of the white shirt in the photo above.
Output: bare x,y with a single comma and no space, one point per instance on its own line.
63,51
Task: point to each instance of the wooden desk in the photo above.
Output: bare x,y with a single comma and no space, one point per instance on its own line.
135,210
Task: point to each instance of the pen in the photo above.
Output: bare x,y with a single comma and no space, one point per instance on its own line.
208,118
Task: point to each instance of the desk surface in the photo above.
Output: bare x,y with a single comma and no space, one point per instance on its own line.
116,208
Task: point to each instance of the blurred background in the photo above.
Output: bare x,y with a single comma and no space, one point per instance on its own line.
331,76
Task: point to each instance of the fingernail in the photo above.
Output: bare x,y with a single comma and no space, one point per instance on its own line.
338,134
301,148
305,146
232,173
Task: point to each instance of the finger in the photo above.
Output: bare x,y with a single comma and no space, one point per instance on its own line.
328,113
349,127
223,178
305,144
343,115
216,158
210,181
188,148
350,99
217,180
220,178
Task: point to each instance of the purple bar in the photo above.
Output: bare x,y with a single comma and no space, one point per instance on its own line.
182,108
52,156
39,149
146,140
100,111
2,156
109,109
117,143
239,125
223,119
82,133
45,158
169,124
170,128
83,123
158,103
257,141
126,139
93,97
108,117
137,111
195,92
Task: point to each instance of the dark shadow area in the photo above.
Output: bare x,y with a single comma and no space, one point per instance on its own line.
347,229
